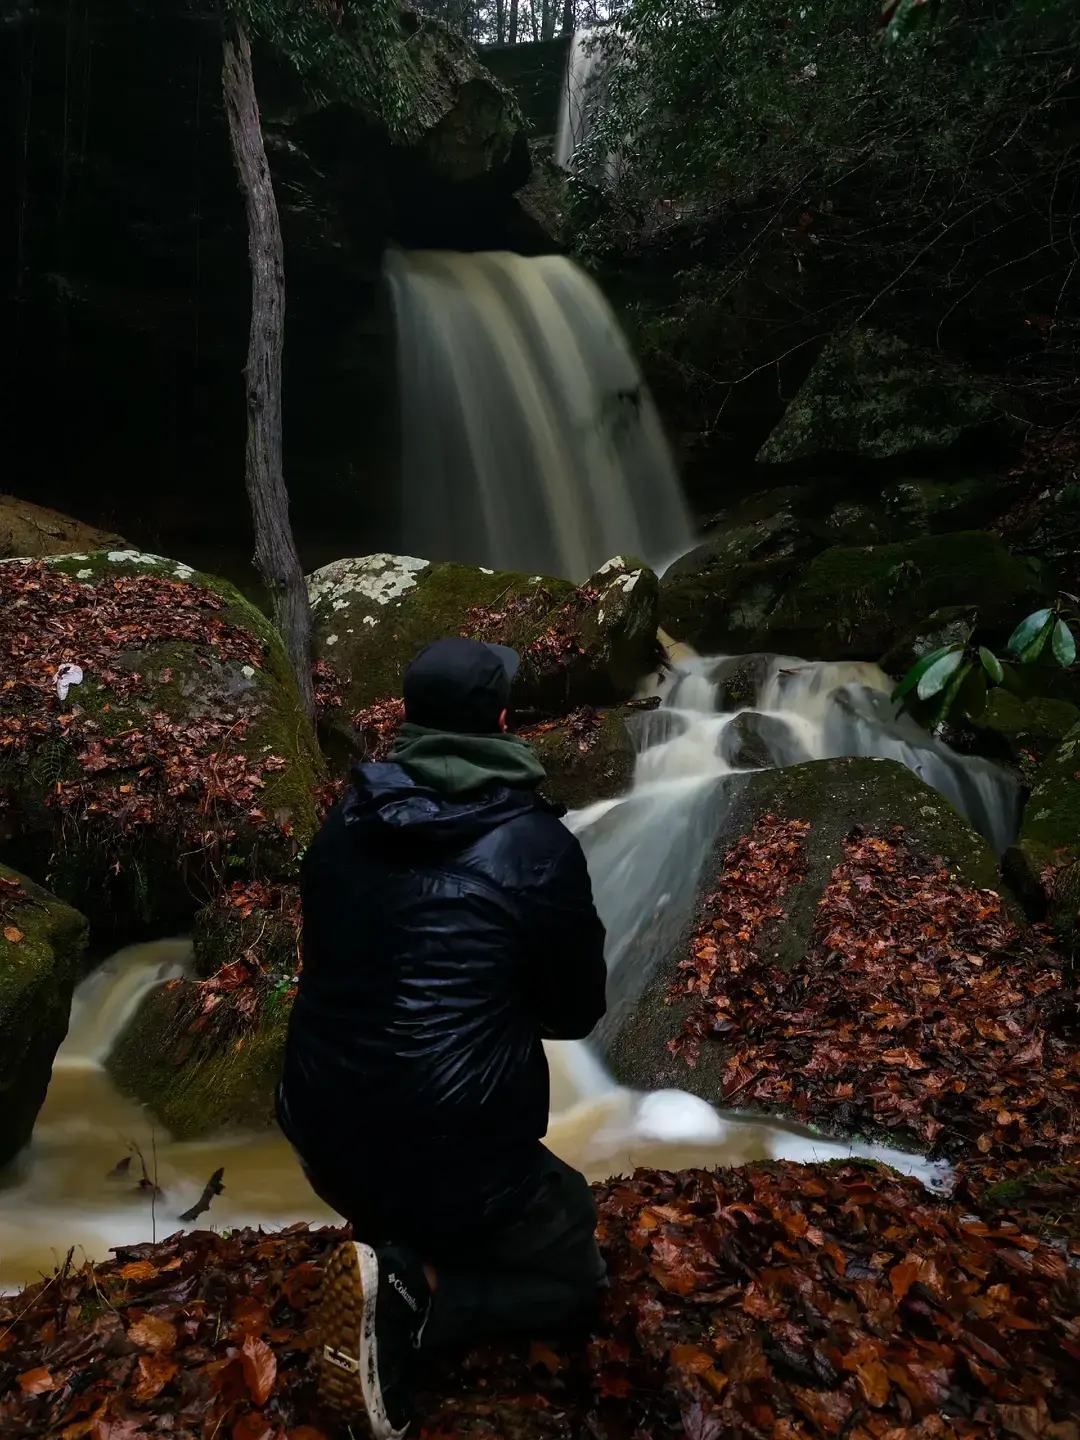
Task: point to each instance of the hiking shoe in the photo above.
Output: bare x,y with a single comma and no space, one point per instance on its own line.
373,1311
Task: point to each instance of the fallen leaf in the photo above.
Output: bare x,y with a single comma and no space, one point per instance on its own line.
36,1382
13,934
260,1368
153,1333
154,1372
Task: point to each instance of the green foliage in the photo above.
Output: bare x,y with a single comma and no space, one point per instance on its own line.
353,50
957,678
711,102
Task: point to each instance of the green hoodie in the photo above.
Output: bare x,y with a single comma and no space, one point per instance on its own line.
456,764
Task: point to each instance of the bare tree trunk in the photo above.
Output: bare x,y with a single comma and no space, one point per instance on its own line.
500,21
569,18
275,549
547,26
513,22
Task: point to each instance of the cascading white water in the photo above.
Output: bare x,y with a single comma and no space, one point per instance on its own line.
646,850
529,440
587,60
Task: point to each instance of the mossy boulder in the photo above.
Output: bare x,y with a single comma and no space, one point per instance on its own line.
42,941
723,609
204,1054
1024,731
588,756
858,602
32,530
1049,839
205,1081
870,394
835,797
580,645
908,509
173,759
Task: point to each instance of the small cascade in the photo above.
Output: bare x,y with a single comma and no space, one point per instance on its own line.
529,439
647,849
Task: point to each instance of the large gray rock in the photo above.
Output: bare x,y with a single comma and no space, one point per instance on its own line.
584,645
42,942
835,797
870,394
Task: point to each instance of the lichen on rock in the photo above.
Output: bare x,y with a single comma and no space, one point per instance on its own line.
587,644
872,395
42,942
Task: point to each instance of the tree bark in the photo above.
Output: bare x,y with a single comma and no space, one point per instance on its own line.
275,549
500,21
569,18
547,26
513,22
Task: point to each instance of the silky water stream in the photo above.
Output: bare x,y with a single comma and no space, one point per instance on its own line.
645,850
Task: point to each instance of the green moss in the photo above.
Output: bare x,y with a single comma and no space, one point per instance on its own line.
1026,729
219,1077
604,769
720,609
854,602
132,874
37,975
1050,832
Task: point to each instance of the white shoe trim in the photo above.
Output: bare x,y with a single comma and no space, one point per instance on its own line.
381,1428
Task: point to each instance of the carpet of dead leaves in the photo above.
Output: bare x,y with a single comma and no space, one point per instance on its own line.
919,1007
159,772
778,1301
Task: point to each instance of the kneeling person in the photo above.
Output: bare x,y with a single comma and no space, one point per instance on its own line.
449,927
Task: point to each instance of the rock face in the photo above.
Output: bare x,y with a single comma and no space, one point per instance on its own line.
856,603
172,750
835,797
1049,838
1024,731
31,530
588,645
41,945
848,602
871,395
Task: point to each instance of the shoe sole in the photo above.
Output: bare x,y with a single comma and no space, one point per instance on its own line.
349,1385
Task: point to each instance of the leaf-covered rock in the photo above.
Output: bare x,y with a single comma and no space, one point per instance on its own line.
152,745
41,946
588,756
584,645
204,1054
828,799
870,394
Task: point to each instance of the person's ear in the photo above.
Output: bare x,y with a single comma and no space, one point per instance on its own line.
502,722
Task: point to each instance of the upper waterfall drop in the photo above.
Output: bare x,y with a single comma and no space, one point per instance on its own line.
529,440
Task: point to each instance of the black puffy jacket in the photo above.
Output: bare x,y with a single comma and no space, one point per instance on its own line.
443,939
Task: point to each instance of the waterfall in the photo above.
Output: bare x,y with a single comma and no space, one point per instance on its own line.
529,441
587,61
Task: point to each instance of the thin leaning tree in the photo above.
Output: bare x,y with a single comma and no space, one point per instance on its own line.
350,50
275,548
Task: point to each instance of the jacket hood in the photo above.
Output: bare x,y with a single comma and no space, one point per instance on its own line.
387,805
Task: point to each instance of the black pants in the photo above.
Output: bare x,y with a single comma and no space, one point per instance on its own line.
526,1272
